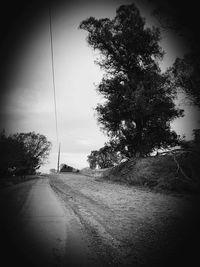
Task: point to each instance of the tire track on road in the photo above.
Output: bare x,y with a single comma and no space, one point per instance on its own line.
95,218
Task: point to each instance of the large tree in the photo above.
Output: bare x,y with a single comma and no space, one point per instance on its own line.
139,101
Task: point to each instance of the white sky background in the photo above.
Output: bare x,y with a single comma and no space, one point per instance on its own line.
30,106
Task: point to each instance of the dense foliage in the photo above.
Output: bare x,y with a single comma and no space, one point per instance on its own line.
185,75
105,157
138,105
23,153
182,18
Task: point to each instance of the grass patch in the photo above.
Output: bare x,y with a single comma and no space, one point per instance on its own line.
178,172
9,181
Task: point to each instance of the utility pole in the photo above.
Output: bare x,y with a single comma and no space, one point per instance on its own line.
58,159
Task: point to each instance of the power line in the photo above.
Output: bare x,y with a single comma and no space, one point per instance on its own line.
54,85
53,72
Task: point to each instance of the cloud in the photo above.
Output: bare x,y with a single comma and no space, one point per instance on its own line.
83,142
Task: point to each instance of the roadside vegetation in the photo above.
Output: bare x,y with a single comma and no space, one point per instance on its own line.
175,172
22,154
170,171
139,103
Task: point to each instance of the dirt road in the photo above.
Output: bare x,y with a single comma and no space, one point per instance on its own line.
74,220
128,226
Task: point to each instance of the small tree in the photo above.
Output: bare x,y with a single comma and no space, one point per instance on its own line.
92,159
23,152
36,149
105,157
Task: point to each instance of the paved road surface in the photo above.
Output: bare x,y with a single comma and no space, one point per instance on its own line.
73,220
41,230
43,226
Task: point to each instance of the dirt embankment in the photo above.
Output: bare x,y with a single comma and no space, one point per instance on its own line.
128,226
174,172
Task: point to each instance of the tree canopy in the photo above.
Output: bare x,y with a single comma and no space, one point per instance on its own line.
185,74
105,157
23,153
182,18
138,105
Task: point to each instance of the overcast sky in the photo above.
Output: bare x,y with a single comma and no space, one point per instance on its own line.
29,102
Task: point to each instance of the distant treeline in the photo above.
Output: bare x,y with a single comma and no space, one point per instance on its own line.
64,168
67,168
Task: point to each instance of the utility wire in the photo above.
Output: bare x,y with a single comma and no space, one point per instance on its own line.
54,85
53,73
